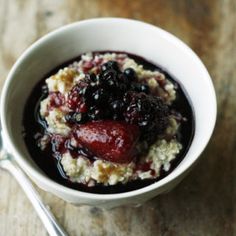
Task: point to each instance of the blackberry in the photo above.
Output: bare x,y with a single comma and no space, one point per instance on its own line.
100,96
144,88
91,78
80,118
149,113
122,87
127,97
112,83
96,113
130,74
110,65
76,118
140,88
109,78
69,117
123,79
117,116
88,93
117,106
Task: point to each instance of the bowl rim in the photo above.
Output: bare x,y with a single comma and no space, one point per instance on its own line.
51,184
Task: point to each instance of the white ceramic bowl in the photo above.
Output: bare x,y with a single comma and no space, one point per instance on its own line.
150,42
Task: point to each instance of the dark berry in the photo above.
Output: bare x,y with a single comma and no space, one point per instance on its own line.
144,88
76,117
130,73
149,113
90,78
110,65
109,78
82,90
117,116
124,79
145,106
93,77
122,87
127,97
100,96
88,92
144,123
112,83
96,114
117,106
111,98
140,88
69,117
80,118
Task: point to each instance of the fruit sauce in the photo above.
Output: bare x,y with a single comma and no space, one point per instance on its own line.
51,166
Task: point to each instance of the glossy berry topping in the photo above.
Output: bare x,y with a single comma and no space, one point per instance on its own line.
116,95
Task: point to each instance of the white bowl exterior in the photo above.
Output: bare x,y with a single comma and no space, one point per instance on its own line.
105,34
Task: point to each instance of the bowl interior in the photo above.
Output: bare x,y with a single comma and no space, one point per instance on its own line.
130,36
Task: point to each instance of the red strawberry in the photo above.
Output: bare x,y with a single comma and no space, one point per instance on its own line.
109,140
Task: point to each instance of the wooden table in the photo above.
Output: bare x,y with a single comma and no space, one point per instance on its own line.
204,203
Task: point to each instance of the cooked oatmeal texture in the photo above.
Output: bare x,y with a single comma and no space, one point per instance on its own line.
80,169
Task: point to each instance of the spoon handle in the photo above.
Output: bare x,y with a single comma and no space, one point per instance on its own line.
49,221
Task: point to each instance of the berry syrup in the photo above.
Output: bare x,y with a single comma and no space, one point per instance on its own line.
49,163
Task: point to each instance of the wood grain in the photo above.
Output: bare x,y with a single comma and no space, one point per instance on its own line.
203,204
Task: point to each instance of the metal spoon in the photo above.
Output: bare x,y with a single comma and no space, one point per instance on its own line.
7,162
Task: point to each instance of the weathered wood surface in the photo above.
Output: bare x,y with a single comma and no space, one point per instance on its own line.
204,203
